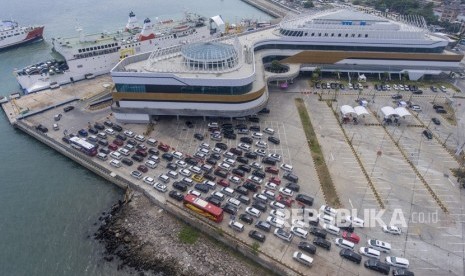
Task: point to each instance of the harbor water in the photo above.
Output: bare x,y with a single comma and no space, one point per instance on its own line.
49,205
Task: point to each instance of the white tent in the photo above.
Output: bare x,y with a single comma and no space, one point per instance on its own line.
388,111
347,109
402,112
219,22
361,110
362,78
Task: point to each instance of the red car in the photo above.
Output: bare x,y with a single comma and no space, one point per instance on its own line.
272,170
351,237
142,168
284,200
118,142
113,147
223,182
163,147
141,152
276,180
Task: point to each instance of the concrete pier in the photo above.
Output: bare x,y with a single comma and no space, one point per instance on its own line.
272,9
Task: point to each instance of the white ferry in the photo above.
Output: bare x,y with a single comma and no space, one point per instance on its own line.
87,56
11,34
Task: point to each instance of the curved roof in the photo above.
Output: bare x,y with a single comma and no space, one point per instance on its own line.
388,111
402,111
361,110
347,109
209,52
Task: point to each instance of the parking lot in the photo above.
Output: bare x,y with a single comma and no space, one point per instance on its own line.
432,241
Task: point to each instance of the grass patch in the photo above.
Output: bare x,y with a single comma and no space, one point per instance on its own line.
326,182
188,235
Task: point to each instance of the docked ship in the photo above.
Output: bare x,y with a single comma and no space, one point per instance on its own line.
87,56
12,34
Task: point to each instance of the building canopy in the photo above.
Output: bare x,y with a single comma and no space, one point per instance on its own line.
347,109
361,110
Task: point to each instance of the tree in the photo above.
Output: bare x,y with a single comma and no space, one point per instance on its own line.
386,76
357,2
275,66
308,4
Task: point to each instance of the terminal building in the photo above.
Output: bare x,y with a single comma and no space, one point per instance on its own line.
229,76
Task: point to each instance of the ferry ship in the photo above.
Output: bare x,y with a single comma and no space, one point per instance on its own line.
87,56
12,34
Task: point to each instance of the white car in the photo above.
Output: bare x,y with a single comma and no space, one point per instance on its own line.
228,154
139,138
415,107
357,222
286,167
255,179
205,146
160,187
277,205
178,155
395,87
324,209
397,262
256,165
260,197
185,172
344,243
129,133
195,169
269,130
369,252
257,135
234,179
110,131
181,163
299,232
299,223
286,191
203,150
275,157
136,174
194,192
260,152
225,166
277,213
217,150
149,180
212,124
229,161
391,229
244,146
200,155
151,164
271,186
253,212
261,144
276,222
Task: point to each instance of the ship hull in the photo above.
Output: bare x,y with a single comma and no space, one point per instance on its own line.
35,35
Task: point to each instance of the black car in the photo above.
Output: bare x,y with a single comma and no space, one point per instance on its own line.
269,161
417,92
254,234
307,247
254,128
240,126
105,150
222,146
42,129
180,186
176,195
274,140
167,156
238,172
227,131
68,108
434,89
322,243
228,208
264,111
318,232
436,106
172,166
436,121
132,142
246,139
99,126
209,177
120,136
236,151
116,127
215,155
402,272
221,173
108,123
191,161
428,134
204,188
250,186
242,160
396,97
231,136
92,130
137,157
349,228
291,177
244,167
241,190
213,200
211,161
254,119
259,173
198,136
351,255
377,265
153,151
263,225
103,142
261,206
127,161
251,155
246,218
441,110
305,199
189,124
293,186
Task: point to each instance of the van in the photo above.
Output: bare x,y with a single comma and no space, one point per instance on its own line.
237,226
116,155
302,258
379,245
331,229
102,156
344,243
236,203
115,163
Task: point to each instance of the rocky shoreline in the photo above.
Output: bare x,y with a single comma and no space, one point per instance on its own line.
139,235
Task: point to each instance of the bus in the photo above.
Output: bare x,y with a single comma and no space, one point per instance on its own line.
83,146
203,208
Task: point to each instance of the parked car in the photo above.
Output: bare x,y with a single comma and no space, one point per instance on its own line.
428,134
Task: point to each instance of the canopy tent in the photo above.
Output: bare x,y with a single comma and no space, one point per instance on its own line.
402,112
388,111
362,78
361,110
219,22
347,109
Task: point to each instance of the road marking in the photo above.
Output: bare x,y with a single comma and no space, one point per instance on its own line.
451,182
350,201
